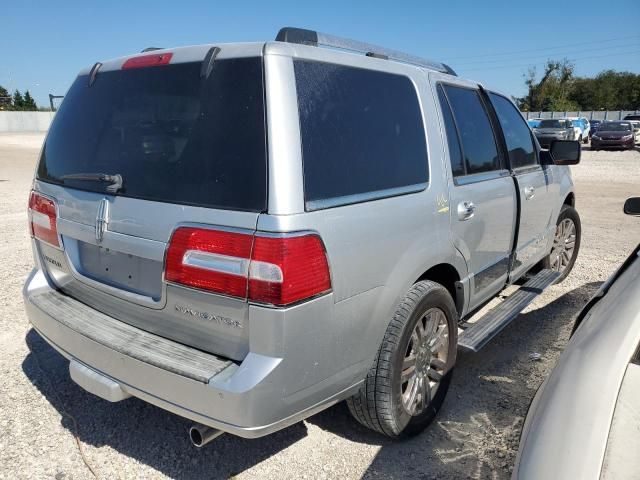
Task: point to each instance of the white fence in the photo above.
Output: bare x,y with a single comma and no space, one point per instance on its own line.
590,114
25,121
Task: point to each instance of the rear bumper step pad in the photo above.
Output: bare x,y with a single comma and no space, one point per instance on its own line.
133,342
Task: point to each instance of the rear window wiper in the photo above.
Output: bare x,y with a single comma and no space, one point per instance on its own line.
115,181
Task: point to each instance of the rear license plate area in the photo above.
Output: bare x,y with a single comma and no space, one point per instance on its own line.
121,270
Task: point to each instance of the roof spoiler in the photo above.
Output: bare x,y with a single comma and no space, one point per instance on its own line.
317,39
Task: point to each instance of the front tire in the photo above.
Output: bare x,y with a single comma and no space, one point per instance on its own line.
409,379
566,243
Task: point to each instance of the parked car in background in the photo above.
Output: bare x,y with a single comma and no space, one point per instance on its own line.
550,129
582,124
205,240
533,122
584,421
594,126
632,116
614,135
635,124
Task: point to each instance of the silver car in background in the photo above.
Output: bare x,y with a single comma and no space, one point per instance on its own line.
552,129
584,421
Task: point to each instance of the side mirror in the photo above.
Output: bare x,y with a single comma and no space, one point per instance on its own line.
632,206
565,152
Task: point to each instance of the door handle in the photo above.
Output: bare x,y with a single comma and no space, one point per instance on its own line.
529,192
466,210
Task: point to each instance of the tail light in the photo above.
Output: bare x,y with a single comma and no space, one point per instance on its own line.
278,270
43,218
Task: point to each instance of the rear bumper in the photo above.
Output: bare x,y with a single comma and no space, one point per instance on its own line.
244,399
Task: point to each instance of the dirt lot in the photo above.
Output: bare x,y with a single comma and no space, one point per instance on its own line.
475,435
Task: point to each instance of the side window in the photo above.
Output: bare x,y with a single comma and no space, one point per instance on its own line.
455,153
516,133
478,142
362,134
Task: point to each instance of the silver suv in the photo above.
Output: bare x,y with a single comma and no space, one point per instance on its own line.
245,234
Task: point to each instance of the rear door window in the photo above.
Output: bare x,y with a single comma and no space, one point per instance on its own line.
516,133
362,134
476,134
171,135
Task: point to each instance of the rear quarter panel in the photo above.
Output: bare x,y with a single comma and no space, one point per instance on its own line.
376,249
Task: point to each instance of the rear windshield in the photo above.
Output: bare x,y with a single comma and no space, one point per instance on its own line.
171,135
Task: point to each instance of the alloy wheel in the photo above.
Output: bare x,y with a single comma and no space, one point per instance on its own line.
425,361
564,244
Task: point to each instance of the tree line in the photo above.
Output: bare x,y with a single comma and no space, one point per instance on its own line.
17,101
559,90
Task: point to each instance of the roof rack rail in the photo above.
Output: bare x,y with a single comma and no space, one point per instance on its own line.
317,39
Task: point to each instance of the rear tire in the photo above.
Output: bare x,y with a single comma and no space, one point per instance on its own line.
566,243
409,379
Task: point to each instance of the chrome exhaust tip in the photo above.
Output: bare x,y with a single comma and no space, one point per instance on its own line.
200,435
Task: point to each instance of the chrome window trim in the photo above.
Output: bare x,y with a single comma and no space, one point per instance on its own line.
481,177
312,205
527,169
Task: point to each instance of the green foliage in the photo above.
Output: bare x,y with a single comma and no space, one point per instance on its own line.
553,90
559,90
29,102
17,101
5,99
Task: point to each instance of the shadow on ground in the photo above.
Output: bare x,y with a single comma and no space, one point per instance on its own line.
480,421
476,434
142,431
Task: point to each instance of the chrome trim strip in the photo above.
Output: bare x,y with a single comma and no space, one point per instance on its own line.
216,262
312,205
527,169
138,246
481,177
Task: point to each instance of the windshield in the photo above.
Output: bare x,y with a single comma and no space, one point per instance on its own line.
614,127
552,124
169,134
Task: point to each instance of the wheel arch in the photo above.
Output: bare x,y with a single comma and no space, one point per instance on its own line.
570,199
446,275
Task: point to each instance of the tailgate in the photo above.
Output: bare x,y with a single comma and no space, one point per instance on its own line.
187,149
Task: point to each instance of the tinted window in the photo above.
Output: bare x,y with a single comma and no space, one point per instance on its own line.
455,154
478,142
171,135
553,124
516,132
362,132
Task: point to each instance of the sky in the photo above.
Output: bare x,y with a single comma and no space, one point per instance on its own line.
44,44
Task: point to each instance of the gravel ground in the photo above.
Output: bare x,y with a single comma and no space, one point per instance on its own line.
475,435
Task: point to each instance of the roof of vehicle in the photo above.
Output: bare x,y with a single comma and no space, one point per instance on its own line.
191,53
289,41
